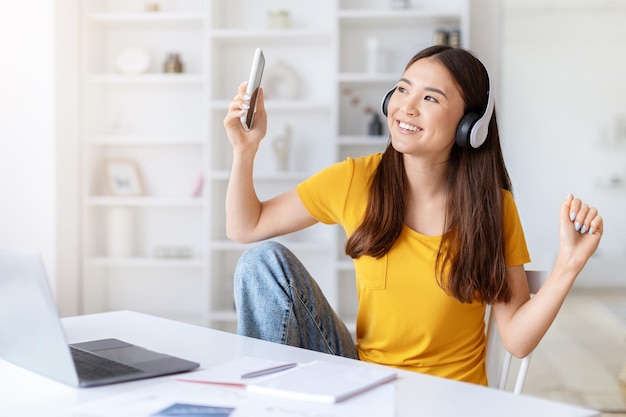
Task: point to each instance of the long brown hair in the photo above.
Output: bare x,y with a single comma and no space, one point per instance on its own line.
471,253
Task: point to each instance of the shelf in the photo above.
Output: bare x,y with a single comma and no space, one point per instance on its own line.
171,125
138,140
114,201
358,140
224,316
146,17
608,188
365,78
279,35
351,325
391,18
345,265
228,245
298,105
224,175
154,78
148,262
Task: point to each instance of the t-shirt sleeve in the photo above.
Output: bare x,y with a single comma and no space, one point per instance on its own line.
324,193
516,251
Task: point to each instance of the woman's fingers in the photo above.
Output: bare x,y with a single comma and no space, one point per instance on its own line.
585,219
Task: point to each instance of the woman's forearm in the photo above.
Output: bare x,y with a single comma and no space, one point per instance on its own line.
243,207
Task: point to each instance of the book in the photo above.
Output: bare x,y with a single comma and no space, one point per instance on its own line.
319,381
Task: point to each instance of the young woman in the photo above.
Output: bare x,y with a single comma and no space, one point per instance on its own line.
431,225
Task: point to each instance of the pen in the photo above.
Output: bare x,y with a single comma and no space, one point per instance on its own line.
223,384
268,371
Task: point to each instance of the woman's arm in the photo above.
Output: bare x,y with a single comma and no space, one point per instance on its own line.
247,218
524,321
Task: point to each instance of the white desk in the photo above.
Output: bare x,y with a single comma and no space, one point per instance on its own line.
23,393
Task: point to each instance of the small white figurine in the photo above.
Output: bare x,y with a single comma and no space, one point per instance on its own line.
281,146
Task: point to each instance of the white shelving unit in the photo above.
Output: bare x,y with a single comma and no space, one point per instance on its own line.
158,121
171,126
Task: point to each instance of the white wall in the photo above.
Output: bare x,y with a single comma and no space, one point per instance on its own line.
68,157
38,137
27,127
485,28
563,83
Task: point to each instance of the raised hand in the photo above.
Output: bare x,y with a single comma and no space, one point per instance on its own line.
580,231
241,140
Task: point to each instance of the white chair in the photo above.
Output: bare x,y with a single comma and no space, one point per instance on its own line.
498,359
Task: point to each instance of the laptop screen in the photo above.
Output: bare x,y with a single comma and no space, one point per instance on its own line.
31,334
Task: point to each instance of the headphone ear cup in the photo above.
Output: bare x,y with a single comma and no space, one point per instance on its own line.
385,102
464,129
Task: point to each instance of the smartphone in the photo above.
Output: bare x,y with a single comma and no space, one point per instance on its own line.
254,82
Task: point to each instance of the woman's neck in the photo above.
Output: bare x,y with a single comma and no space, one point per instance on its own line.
426,198
426,179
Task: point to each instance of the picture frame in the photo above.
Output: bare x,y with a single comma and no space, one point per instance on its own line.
123,178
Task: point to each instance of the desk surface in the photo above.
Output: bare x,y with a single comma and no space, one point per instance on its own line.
23,393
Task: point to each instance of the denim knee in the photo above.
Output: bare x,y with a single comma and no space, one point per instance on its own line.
262,257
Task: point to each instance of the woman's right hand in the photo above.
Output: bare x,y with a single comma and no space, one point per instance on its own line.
240,139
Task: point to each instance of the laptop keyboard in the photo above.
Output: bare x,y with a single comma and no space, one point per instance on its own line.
93,367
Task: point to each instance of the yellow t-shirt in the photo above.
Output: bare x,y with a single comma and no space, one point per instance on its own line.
405,319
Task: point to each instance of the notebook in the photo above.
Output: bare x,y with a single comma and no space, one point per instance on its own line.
318,381
322,381
32,336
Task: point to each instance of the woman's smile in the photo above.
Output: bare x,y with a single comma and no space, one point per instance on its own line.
404,126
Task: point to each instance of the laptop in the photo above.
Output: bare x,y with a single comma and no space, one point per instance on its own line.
32,336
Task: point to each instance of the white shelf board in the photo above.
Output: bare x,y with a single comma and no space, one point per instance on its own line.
223,315
351,325
282,35
224,175
367,78
299,105
141,262
228,245
116,201
148,78
608,188
358,140
378,17
345,265
139,140
146,17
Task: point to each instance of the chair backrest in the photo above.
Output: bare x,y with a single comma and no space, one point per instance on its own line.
498,359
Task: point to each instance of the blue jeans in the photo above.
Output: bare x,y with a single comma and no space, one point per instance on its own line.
278,300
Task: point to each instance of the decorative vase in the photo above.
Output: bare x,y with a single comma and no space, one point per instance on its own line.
173,64
278,18
281,145
121,224
375,125
372,55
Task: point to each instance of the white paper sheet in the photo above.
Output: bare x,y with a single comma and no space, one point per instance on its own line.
146,402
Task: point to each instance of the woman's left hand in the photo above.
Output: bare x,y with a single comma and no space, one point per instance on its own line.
581,229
